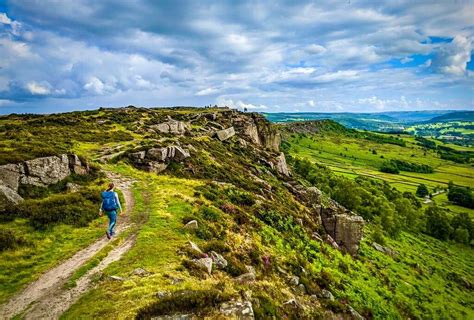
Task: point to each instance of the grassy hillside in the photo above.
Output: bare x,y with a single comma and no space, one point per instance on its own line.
350,154
245,212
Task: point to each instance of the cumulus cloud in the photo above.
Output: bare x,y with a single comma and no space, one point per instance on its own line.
222,102
345,55
452,58
38,89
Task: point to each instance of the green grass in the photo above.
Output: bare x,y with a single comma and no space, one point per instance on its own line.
163,202
48,248
351,157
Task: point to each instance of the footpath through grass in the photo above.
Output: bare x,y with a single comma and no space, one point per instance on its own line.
161,203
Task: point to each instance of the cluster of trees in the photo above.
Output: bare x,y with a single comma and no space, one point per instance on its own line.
395,166
460,196
382,204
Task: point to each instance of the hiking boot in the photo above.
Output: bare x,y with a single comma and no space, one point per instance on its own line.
108,235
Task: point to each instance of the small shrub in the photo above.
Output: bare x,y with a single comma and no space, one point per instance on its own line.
265,308
8,240
235,267
209,213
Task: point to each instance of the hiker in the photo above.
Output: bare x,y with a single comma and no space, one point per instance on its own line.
110,204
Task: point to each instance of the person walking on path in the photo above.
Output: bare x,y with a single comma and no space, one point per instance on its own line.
110,205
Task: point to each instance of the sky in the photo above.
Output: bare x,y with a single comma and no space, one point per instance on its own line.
266,56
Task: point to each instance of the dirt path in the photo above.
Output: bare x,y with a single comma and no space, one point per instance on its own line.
50,285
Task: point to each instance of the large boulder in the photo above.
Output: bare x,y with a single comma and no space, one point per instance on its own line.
8,198
10,175
45,171
225,133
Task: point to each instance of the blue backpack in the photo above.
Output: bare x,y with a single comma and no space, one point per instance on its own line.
108,201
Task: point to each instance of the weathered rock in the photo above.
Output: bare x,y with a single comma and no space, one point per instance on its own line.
193,224
354,314
45,171
156,167
383,249
72,187
326,294
294,280
314,195
349,232
175,317
8,198
76,165
225,133
137,156
301,289
179,153
195,247
241,310
250,269
245,278
281,166
158,154
141,272
345,228
205,263
218,260
171,126
10,175
250,130
329,240
116,278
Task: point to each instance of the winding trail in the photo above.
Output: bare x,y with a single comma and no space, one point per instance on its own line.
46,298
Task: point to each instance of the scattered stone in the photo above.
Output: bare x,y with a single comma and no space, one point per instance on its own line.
116,278
237,310
301,289
156,167
137,156
76,165
313,297
72,187
314,194
175,317
250,269
293,303
294,280
193,224
317,236
354,314
225,134
330,240
245,278
218,260
8,198
326,294
195,248
141,272
383,249
205,263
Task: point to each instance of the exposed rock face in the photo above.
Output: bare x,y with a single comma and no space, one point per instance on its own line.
8,197
345,228
46,171
237,310
156,159
225,134
218,260
281,166
205,263
10,175
314,195
193,224
257,129
245,278
170,126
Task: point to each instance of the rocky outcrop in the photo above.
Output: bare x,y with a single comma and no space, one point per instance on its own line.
255,128
157,159
8,197
170,126
10,175
46,171
225,134
344,227
281,166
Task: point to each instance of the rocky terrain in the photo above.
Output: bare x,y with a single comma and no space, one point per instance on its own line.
222,225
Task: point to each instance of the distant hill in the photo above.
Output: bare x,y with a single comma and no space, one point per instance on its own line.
384,121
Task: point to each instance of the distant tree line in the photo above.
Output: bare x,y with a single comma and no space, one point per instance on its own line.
395,166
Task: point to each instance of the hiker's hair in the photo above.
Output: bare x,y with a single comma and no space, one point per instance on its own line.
111,186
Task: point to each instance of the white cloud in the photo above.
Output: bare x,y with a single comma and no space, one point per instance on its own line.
207,91
38,89
311,103
222,102
4,18
95,85
452,58
406,60
315,49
